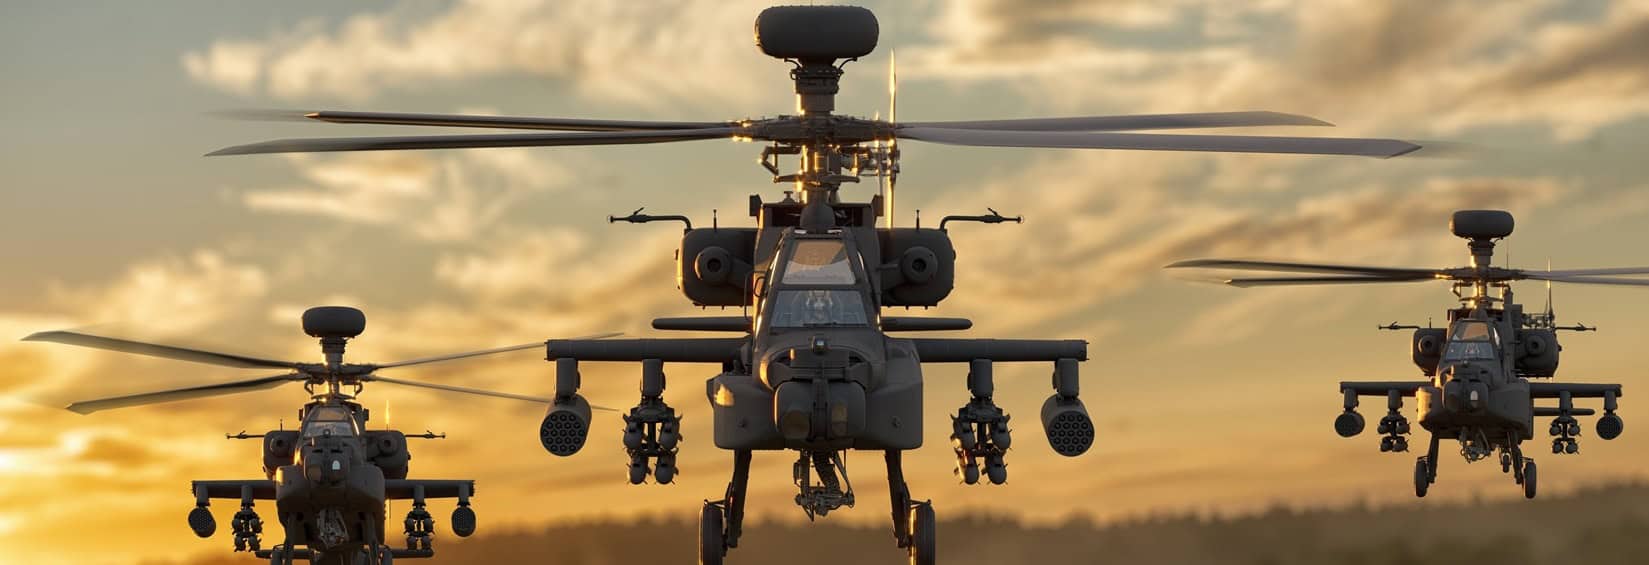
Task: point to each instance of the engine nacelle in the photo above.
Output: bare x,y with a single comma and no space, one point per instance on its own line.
565,426
278,450
1069,429
1427,349
387,449
1537,354
713,265
921,266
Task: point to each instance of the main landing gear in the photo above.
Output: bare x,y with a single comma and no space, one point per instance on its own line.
915,527
1425,469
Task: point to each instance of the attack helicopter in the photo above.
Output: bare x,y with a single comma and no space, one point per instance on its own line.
330,478
1485,370
818,368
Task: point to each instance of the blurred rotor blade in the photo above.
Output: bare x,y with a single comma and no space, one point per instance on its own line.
236,387
1603,271
1288,266
1296,281
156,350
1136,122
1381,148
504,122
1554,277
327,144
477,353
474,391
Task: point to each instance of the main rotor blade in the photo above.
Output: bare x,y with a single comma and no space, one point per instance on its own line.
1381,148
1603,271
449,357
1298,281
474,391
504,122
236,387
1135,122
1540,276
1289,266
392,143
157,350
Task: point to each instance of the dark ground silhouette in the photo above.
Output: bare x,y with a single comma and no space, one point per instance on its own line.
1604,525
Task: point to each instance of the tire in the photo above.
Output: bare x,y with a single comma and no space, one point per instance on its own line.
1529,482
923,535
712,547
1422,477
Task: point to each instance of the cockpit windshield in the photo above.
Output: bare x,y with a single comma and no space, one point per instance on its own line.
1471,330
818,261
329,421
818,308
1470,340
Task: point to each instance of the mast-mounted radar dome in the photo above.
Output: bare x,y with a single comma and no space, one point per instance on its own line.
1481,224
816,33
333,322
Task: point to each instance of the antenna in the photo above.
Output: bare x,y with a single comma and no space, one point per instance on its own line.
891,151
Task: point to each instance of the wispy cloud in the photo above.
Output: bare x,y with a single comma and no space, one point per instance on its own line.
628,51
437,197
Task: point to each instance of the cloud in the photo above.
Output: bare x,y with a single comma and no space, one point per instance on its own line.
1410,65
1106,242
628,51
169,296
436,197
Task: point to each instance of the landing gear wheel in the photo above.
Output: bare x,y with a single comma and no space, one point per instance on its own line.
1422,477
1529,479
280,556
923,535
386,556
712,547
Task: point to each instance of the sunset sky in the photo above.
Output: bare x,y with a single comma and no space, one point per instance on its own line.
1207,399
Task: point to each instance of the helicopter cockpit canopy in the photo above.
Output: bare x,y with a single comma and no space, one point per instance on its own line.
328,421
819,308
1471,340
818,287
819,262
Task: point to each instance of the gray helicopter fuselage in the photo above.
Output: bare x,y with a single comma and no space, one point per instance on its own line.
333,492
823,375
1475,387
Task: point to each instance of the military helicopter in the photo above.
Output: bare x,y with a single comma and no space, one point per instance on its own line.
817,368
1485,370
330,478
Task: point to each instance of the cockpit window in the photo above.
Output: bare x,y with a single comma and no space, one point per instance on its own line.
1468,350
1471,331
329,421
818,308
818,261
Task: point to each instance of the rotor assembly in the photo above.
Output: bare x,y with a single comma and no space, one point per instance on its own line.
334,326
